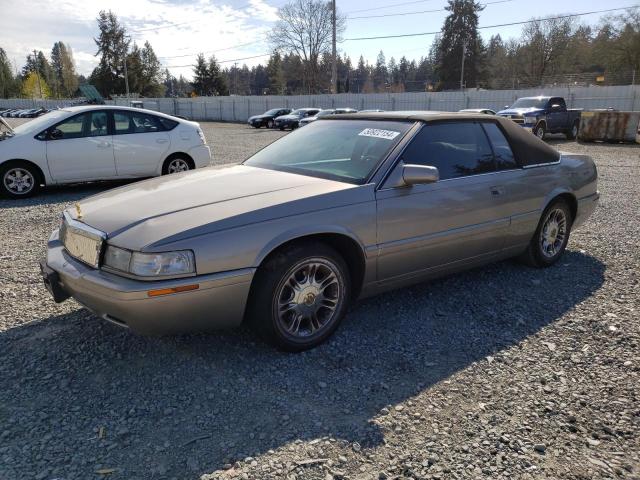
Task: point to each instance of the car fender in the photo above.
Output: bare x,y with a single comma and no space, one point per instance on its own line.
305,231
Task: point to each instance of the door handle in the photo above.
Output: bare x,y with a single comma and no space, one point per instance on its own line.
161,140
104,145
497,191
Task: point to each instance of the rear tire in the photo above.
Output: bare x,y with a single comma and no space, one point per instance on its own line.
551,237
573,132
299,296
177,165
19,179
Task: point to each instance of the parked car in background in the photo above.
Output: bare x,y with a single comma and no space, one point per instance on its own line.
324,113
486,111
291,120
372,110
267,118
544,115
346,207
79,144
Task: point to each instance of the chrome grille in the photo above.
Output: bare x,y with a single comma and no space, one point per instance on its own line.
81,241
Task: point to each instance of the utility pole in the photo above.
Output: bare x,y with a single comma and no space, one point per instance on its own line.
464,54
334,64
235,78
126,75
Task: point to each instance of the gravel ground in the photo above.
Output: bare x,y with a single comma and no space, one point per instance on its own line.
501,372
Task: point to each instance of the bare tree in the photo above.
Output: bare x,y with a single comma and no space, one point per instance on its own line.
304,28
545,41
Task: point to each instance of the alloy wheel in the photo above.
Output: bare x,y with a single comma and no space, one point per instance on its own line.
308,298
553,233
177,165
18,181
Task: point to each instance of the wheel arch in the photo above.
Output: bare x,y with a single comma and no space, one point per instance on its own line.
567,196
184,155
41,175
346,244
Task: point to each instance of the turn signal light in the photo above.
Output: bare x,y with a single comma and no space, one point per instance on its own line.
169,291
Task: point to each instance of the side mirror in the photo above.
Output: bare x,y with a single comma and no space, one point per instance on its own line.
506,107
55,134
419,174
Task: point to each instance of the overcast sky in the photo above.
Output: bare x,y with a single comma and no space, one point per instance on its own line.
235,29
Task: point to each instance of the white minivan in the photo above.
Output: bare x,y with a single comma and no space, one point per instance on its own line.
97,142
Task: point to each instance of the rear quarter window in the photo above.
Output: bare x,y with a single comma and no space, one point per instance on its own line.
167,123
505,160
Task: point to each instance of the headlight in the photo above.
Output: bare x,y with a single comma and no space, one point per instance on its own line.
529,120
150,264
117,258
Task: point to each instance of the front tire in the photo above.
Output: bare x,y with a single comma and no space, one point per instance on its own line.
19,180
551,237
540,130
300,296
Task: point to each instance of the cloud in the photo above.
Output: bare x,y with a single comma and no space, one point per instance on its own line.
177,30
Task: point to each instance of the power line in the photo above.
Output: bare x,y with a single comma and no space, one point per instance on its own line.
390,6
212,51
490,26
421,11
221,61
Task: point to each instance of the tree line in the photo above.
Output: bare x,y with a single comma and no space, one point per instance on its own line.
557,51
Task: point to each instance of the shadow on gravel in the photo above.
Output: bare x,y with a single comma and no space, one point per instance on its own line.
183,406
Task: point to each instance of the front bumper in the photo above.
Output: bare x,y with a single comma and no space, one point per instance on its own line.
219,302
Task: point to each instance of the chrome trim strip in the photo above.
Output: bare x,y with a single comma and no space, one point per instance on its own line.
535,165
84,228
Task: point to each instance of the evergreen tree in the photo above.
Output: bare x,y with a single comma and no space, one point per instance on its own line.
275,72
113,46
8,84
460,35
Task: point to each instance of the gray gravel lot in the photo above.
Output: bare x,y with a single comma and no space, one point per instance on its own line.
501,372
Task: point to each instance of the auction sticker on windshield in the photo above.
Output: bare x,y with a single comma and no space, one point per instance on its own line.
378,133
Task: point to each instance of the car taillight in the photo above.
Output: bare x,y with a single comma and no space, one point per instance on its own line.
202,137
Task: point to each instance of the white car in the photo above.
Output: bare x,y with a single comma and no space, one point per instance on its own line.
97,142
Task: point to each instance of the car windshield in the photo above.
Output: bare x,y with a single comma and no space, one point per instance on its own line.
299,112
42,122
343,150
530,103
323,113
273,111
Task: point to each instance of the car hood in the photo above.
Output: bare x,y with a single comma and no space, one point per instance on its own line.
163,209
520,111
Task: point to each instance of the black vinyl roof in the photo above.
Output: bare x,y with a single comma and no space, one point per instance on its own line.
527,148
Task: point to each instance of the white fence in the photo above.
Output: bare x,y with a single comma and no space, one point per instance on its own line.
238,109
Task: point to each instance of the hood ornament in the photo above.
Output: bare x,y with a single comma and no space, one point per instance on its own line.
78,211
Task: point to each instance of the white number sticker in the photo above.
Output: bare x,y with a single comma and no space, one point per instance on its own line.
377,133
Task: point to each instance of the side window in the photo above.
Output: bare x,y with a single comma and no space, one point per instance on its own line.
456,149
98,124
71,127
121,121
505,159
144,123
